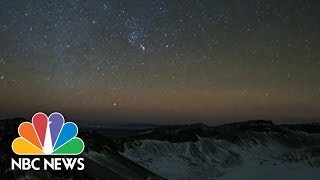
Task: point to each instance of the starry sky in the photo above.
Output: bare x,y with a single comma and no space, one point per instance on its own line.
161,61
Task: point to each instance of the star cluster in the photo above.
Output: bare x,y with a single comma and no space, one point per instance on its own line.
167,61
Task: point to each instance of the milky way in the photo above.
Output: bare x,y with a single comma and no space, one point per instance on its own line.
161,61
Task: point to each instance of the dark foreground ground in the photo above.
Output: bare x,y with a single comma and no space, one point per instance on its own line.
183,152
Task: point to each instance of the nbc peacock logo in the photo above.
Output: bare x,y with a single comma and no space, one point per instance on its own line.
48,136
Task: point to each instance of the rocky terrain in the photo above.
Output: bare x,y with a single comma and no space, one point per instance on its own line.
202,152
248,150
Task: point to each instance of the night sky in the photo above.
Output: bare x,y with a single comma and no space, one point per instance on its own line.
161,61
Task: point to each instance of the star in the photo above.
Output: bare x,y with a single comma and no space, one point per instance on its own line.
142,47
93,55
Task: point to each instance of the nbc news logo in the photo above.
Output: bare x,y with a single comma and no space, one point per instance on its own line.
48,136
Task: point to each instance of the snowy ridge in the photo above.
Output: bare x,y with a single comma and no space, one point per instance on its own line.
271,147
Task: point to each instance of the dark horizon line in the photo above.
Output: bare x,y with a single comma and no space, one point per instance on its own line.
105,123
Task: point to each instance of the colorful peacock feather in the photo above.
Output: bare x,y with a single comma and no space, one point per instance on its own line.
48,136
